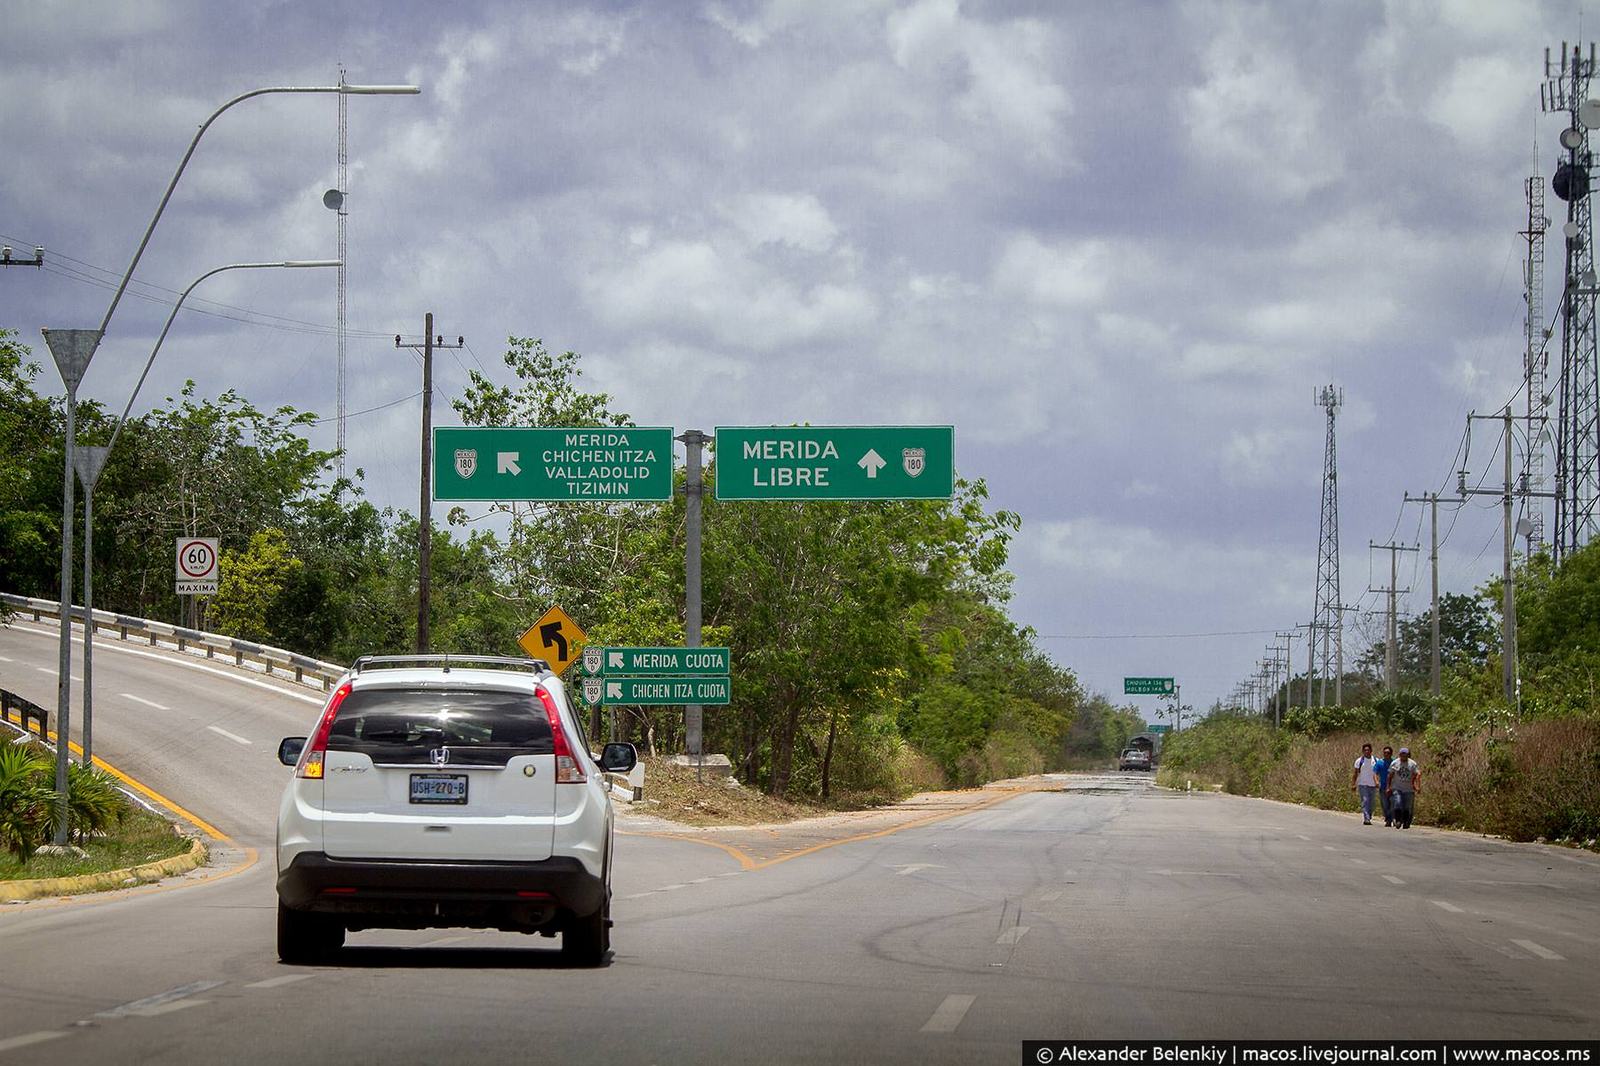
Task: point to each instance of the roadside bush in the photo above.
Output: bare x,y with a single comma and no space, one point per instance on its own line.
96,805
26,800
1236,753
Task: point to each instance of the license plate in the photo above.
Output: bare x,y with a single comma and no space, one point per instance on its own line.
438,788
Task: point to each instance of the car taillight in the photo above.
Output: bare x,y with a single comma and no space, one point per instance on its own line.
311,759
568,770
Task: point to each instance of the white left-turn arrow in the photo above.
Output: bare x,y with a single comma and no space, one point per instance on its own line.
506,463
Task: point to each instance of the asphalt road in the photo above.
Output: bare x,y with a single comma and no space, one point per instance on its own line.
1104,909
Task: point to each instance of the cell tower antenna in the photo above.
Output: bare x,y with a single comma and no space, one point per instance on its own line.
344,181
1535,358
1566,90
1327,622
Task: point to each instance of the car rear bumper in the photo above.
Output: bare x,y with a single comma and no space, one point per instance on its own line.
315,881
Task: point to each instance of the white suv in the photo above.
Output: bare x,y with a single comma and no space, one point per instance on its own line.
443,791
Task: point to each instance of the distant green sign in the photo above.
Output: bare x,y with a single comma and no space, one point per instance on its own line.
835,462
1158,729
615,464
662,691
610,662
1148,686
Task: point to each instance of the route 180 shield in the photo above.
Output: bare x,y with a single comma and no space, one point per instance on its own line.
592,688
593,660
914,460
466,461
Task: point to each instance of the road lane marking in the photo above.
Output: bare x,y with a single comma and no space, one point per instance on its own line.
151,794
1539,950
672,888
1302,836
1014,934
700,880
913,867
1392,879
29,1039
1360,862
1329,847
224,733
3,659
147,703
1451,907
160,999
168,1008
1049,897
278,982
949,1015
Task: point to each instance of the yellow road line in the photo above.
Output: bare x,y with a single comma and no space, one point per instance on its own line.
151,794
251,856
748,862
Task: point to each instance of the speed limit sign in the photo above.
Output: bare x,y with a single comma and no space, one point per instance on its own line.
197,566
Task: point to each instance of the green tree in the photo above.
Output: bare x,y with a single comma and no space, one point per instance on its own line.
251,584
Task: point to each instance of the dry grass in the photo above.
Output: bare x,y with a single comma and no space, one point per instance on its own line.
681,798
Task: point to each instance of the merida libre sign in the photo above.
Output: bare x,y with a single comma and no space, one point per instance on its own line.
835,462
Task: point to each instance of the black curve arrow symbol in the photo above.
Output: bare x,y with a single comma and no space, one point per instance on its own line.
550,633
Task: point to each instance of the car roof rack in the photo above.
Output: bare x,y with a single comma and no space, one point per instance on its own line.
445,660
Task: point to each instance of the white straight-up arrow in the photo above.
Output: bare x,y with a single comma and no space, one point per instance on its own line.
613,690
872,462
616,660
506,463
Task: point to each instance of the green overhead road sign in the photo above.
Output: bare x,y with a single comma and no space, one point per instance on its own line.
835,462
701,662
518,463
1158,729
1147,686
658,691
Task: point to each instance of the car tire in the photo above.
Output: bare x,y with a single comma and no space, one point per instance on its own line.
585,941
306,938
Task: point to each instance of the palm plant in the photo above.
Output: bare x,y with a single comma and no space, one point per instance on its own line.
95,803
27,801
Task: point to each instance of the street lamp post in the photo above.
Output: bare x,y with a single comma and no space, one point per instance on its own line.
72,350
91,461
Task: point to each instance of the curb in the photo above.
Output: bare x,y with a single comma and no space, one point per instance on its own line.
41,888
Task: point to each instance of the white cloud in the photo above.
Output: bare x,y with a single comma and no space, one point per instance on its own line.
1484,100
777,218
1066,274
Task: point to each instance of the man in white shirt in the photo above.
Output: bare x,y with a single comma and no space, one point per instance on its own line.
1364,780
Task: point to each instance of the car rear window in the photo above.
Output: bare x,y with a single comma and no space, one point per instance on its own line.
406,726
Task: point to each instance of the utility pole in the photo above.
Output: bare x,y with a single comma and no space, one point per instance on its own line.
1508,604
1391,668
425,510
1432,500
1288,675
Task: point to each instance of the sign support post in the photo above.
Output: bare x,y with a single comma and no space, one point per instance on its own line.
694,442
72,350
90,459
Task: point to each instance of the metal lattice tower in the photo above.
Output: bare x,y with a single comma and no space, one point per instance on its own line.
1327,627
344,180
1566,89
1535,360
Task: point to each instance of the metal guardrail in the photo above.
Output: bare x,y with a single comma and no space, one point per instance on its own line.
26,711
275,662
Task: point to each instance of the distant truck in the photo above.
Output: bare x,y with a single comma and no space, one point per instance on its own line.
1142,753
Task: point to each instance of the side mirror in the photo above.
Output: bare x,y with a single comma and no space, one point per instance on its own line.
618,758
289,749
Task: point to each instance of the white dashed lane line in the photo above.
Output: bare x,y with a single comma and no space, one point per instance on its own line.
224,733
1012,935
1392,879
161,1002
949,1014
1539,950
1451,907
1049,897
147,703
30,1039
278,982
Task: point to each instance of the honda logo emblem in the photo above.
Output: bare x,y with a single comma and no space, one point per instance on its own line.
439,756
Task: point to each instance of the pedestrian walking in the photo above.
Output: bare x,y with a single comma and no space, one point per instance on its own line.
1382,766
1405,781
1364,781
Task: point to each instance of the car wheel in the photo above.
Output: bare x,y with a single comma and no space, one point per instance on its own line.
585,941
307,938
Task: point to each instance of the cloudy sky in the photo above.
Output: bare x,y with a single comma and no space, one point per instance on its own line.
1117,245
